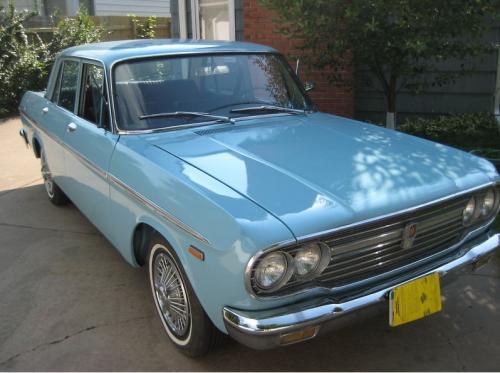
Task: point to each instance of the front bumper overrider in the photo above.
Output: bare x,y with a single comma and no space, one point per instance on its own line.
297,322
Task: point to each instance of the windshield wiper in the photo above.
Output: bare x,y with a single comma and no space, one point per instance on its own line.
187,114
268,108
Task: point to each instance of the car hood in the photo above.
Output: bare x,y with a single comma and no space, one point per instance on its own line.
319,171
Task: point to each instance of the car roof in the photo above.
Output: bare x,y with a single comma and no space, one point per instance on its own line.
113,51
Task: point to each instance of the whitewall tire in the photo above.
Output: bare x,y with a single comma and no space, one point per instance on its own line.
181,314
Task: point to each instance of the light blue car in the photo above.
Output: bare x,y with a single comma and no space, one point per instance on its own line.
256,215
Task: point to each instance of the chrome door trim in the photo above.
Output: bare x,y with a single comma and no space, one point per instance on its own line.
84,160
116,181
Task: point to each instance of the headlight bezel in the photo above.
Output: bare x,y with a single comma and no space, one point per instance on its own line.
479,197
324,260
289,253
493,193
473,214
284,278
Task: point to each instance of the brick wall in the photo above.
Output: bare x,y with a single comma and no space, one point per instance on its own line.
259,28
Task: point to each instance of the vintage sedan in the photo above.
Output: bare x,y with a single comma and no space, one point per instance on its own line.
256,215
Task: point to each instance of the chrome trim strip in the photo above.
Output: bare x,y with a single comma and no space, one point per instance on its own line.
87,163
395,214
110,178
263,328
155,208
199,124
300,240
169,129
35,125
84,160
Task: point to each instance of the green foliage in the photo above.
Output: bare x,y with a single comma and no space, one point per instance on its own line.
466,131
144,28
398,41
25,60
69,32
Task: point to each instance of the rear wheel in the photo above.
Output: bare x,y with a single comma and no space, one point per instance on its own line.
186,323
55,194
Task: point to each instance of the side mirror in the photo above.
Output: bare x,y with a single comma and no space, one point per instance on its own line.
309,86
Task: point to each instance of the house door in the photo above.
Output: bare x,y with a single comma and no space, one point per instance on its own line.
213,19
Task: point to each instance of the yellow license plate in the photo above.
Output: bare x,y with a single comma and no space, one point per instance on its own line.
415,300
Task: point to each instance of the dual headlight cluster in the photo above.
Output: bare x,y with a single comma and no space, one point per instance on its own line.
304,263
481,206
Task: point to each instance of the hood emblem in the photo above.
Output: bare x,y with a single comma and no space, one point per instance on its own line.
409,234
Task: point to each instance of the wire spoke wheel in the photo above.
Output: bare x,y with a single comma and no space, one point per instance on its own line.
171,295
47,177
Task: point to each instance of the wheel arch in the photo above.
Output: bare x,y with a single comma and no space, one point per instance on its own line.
37,147
146,226
140,242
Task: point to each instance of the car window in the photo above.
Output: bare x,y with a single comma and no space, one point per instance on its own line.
67,85
93,102
57,88
214,84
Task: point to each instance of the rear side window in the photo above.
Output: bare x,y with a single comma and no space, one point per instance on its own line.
93,102
65,91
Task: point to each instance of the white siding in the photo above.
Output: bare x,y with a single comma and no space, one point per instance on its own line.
160,8
20,4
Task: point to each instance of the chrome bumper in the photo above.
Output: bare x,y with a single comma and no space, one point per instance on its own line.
266,329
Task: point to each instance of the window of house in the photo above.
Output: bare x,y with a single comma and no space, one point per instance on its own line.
65,90
214,22
208,19
93,106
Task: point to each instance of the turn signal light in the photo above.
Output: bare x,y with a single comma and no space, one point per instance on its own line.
301,335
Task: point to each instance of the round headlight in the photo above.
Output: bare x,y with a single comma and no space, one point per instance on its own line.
271,270
468,214
307,260
488,203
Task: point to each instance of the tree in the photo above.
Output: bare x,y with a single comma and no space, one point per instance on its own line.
71,31
26,60
23,58
400,42
144,28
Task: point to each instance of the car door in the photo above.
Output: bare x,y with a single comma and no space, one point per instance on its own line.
55,112
90,144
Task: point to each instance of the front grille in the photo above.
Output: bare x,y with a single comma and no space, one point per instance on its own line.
368,250
376,249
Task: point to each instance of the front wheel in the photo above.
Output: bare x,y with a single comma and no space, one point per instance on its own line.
186,323
55,194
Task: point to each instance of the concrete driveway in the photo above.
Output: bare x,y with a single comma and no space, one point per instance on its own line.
69,302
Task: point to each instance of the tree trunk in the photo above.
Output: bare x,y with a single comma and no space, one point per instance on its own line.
390,119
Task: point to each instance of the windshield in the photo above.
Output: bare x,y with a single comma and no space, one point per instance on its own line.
219,84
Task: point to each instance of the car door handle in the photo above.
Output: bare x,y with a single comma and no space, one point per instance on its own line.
71,127
45,110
